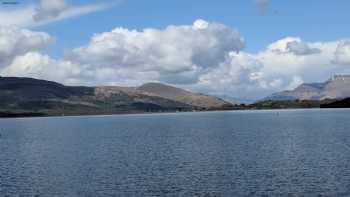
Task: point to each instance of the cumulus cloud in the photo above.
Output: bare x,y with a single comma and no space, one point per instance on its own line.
180,53
301,48
37,65
15,41
240,72
296,65
342,54
293,45
205,56
278,67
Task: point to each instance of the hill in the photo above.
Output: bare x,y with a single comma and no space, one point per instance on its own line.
27,96
338,87
183,96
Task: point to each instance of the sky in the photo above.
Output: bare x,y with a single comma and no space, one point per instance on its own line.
245,49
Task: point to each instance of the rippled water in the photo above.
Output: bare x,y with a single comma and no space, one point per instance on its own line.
249,153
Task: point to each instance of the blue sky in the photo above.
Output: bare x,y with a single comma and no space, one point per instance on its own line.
312,20
240,48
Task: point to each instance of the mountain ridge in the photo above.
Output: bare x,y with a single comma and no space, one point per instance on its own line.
337,87
28,95
181,95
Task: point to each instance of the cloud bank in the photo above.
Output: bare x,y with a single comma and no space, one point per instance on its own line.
206,56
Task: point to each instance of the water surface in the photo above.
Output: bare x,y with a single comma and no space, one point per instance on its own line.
242,153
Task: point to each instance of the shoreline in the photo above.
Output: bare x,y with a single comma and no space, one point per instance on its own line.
25,116
14,115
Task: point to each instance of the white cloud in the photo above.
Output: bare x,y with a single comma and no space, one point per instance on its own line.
47,11
342,54
239,73
34,64
278,67
17,17
71,12
205,57
200,24
40,66
301,48
15,41
178,54
293,45
279,59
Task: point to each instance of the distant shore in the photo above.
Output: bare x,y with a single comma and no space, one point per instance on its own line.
8,115
5,115
262,105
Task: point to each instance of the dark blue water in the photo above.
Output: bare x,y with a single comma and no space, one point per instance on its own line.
251,153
